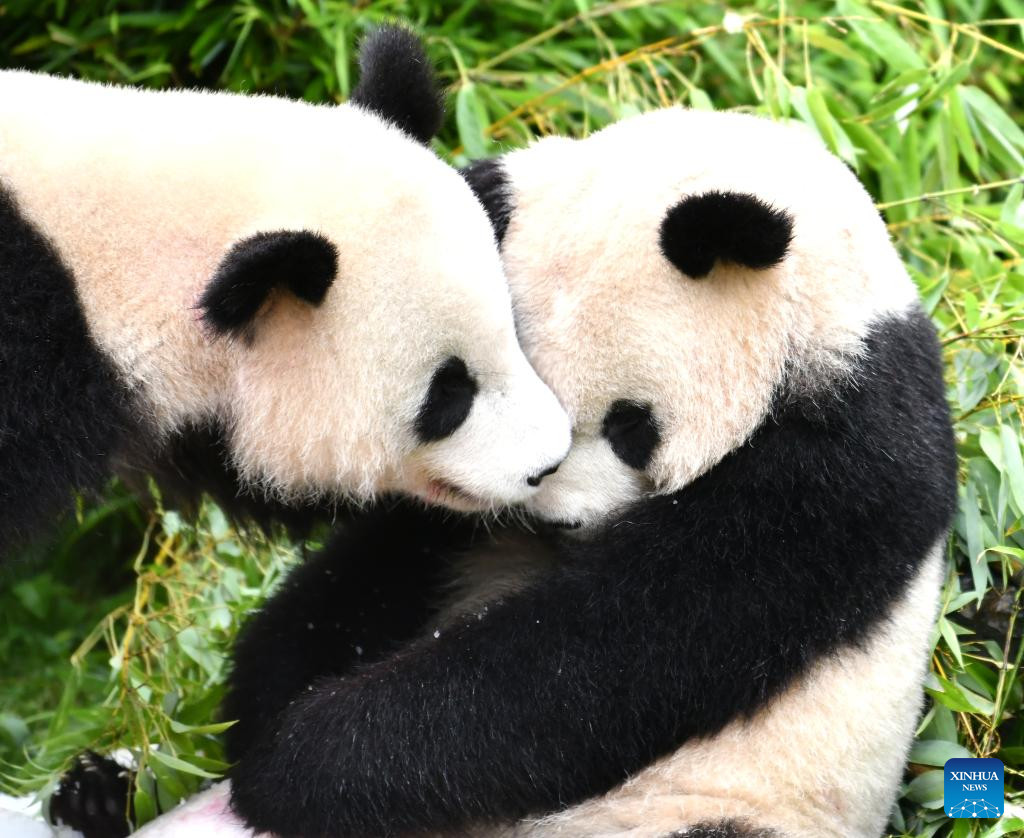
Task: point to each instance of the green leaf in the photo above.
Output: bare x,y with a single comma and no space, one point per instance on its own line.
866,139
217,522
971,313
945,83
192,643
1005,826
996,121
952,641
1014,464
178,764
962,132
824,121
991,442
975,543
14,728
1012,755
881,38
341,61
926,789
145,803
1012,211
32,598
956,697
471,120
171,522
699,100
936,752
1013,552
962,828
214,728
819,39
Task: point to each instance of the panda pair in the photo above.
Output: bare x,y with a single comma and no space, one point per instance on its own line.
731,638
306,291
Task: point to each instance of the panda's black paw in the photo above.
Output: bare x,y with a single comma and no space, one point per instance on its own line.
94,797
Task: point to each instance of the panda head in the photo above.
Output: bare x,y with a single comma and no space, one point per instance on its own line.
672,276
369,332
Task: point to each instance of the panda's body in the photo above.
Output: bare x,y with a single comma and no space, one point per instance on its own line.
295,275
825,756
762,477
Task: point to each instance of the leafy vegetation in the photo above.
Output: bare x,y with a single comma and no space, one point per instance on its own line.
121,640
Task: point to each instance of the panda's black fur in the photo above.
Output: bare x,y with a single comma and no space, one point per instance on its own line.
489,182
195,462
64,411
396,79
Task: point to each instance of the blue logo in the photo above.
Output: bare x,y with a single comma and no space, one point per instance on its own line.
973,788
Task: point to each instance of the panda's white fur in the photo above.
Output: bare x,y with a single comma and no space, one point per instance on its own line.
142,194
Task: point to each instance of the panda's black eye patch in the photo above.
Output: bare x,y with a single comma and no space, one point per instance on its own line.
632,432
448,401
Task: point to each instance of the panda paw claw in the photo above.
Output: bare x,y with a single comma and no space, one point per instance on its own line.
93,797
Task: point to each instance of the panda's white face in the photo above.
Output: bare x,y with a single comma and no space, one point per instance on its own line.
411,377
664,372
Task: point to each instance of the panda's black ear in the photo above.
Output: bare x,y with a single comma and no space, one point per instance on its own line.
724,226
397,82
489,183
303,262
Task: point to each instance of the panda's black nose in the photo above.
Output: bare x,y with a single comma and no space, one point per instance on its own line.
535,480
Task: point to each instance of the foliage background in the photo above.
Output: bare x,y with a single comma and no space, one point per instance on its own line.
115,635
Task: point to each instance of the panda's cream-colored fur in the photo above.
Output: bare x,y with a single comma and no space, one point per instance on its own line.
604,315
823,760
143,193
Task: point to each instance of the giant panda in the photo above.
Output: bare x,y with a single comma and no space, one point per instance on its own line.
724,630
311,282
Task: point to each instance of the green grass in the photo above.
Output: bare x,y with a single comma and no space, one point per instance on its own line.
121,640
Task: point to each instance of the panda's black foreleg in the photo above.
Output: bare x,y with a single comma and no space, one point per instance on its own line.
367,592
551,694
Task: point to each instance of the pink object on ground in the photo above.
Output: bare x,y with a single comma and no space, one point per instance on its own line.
207,815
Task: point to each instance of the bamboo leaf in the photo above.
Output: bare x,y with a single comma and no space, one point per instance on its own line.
471,119
178,764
